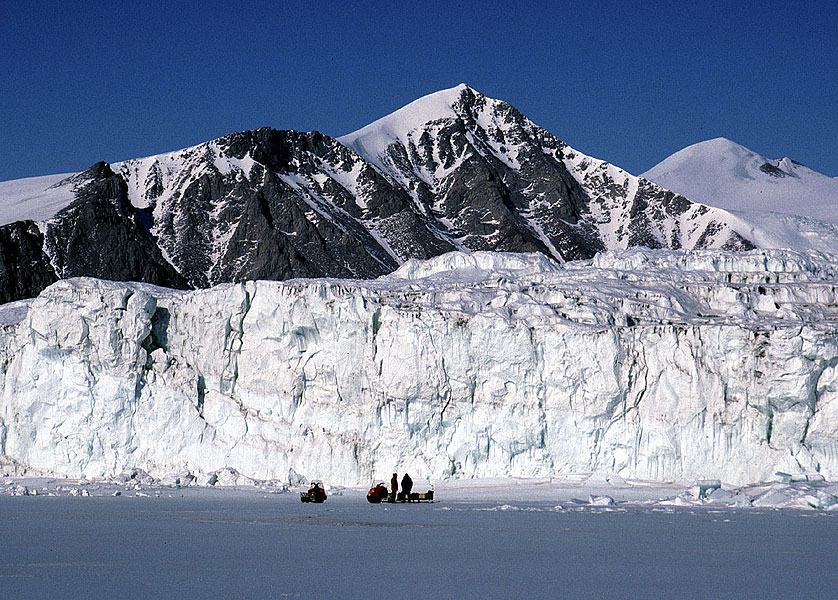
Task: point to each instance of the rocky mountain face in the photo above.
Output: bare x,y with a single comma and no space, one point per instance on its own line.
24,267
451,171
99,234
270,204
493,180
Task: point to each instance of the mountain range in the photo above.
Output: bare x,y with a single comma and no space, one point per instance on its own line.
453,170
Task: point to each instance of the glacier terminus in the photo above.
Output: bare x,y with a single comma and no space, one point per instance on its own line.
658,365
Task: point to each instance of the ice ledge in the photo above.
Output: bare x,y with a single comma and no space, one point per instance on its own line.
476,265
650,365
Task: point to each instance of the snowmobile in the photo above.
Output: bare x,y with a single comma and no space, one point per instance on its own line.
378,494
315,493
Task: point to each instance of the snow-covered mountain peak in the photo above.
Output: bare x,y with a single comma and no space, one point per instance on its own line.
718,145
428,139
428,108
303,195
718,151
727,175
40,198
495,180
373,140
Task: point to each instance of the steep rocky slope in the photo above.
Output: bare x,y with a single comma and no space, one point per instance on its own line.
493,180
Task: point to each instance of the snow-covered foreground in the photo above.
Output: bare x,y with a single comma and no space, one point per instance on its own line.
651,365
568,492
208,543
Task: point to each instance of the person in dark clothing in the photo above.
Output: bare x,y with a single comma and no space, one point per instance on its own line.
394,485
407,485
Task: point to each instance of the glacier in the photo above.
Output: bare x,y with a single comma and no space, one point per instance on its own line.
659,365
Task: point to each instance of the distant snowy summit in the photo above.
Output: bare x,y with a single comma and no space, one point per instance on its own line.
726,175
454,170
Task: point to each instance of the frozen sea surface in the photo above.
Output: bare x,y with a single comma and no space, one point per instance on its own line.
222,544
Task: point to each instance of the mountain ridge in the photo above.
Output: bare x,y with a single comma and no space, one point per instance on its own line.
453,170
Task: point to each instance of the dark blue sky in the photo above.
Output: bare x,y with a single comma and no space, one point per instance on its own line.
87,81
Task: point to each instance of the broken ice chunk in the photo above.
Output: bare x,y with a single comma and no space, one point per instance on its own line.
702,488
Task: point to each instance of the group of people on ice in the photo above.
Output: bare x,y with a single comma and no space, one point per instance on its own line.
379,493
407,485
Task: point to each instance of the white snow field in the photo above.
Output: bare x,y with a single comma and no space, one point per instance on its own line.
663,366
780,202
206,543
35,198
726,175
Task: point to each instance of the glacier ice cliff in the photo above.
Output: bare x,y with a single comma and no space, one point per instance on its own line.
652,364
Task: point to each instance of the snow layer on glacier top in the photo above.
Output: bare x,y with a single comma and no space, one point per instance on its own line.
475,265
680,263
760,288
83,285
804,265
34,198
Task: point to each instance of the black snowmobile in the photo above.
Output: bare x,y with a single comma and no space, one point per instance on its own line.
315,493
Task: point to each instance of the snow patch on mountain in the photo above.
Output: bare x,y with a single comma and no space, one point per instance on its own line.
156,179
35,198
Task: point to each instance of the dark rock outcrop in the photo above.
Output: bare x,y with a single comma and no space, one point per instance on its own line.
24,266
100,235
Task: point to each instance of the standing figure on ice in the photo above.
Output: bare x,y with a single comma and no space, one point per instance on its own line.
407,485
394,486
